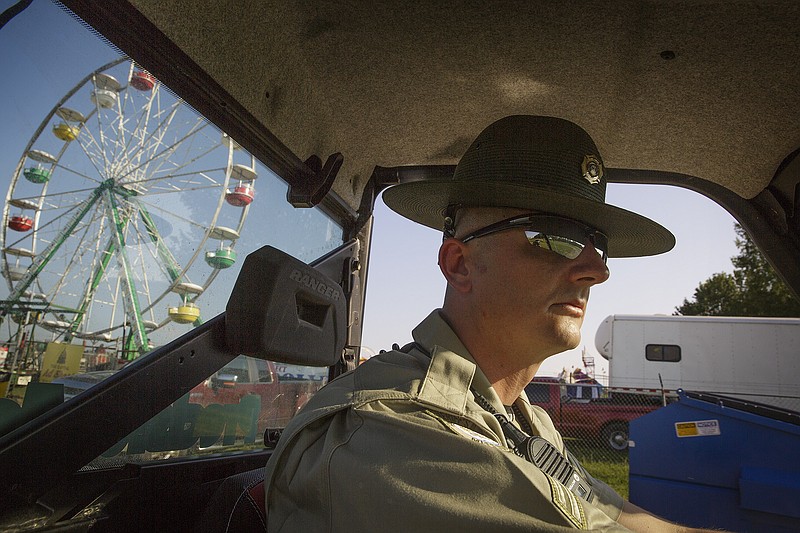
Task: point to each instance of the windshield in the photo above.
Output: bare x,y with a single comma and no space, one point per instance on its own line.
125,222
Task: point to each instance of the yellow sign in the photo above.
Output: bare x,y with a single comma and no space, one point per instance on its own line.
60,360
697,428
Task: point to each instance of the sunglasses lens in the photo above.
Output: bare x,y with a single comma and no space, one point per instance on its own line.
563,236
560,245
563,246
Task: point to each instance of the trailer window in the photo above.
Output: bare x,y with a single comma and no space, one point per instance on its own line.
669,353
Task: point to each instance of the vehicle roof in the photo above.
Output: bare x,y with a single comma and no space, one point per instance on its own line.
545,379
699,93
713,319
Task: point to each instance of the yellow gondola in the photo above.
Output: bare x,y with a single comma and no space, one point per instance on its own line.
65,132
184,314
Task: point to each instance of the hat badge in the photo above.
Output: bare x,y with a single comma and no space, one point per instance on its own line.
592,169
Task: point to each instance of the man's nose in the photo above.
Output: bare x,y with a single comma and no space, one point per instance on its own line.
589,266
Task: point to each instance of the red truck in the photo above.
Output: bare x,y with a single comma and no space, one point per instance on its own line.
237,404
248,390
589,411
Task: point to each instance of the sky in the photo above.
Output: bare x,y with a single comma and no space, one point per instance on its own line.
403,251
404,283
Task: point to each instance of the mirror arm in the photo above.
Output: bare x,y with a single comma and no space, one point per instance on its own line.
312,188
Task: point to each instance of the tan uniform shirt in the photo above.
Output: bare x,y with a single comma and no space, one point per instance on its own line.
399,444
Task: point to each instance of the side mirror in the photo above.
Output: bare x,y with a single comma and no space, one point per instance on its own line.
224,381
283,310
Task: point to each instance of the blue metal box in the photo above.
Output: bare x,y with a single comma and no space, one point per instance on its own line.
714,461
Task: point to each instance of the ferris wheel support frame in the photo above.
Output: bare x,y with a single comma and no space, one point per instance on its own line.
129,296
91,287
170,264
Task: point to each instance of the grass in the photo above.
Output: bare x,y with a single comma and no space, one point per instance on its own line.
613,474
611,468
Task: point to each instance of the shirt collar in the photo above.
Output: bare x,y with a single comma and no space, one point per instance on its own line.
450,356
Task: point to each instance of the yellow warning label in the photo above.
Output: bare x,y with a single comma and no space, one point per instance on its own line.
697,428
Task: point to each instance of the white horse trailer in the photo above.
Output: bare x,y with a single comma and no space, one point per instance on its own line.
751,358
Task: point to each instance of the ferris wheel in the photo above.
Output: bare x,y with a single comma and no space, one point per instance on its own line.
123,208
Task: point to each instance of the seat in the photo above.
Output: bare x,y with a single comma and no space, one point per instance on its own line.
237,505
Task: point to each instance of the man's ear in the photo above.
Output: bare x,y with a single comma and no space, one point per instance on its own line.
453,262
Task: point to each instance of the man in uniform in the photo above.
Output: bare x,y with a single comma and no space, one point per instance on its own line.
439,435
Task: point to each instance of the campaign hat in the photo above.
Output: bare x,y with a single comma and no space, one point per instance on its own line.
537,163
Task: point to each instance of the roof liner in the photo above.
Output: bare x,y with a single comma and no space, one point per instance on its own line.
412,83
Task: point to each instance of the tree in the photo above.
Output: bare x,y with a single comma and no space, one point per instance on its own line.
754,289
716,296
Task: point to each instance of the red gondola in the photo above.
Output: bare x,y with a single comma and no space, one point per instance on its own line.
20,223
240,196
143,81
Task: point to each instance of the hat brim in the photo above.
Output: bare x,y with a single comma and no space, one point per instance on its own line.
629,234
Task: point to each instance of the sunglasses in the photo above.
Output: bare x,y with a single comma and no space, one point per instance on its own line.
563,236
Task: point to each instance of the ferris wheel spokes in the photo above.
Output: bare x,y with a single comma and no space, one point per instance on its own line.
41,260
208,183
163,154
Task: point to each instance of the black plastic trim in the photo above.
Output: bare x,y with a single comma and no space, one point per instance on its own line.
748,406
